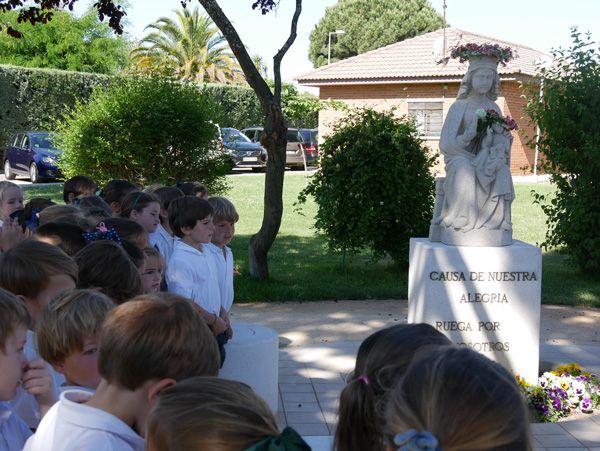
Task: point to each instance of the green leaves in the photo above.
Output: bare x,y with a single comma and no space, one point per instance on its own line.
145,130
568,114
374,189
368,25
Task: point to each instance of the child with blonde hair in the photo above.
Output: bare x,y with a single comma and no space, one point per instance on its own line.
207,413
11,200
146,345
382,360
16,372
68,332
224,218
152,275
456,399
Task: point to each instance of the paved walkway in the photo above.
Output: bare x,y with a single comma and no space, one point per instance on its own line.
319,341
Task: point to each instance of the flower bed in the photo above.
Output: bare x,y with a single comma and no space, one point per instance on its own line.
561,392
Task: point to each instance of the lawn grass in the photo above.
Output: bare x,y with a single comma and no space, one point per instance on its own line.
302,268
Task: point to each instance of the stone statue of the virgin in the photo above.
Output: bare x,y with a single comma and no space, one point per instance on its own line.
473,201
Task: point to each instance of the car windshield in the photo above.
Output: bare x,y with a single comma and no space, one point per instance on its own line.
42,140
233,135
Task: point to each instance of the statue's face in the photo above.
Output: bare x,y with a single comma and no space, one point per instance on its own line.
482,80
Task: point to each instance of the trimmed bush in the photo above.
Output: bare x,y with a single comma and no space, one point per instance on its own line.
145,130
375,189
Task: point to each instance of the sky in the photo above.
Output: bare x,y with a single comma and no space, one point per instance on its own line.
540,24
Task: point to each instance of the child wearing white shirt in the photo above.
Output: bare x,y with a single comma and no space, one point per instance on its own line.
224,218
190,271
146,345
16,371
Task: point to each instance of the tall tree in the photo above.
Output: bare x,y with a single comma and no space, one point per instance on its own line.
82,44
368,25
189,47
275,128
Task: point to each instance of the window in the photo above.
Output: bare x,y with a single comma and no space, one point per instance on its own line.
428,116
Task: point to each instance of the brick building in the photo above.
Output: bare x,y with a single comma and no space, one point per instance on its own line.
406,76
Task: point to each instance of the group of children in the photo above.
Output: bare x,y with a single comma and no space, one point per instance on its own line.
114,313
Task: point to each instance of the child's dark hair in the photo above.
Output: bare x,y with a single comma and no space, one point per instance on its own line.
26,268
68,237
94,206
166,195
462,400
136,201
192,188
381,361
115,190
186,211
105,265
155,337
30,216
127,229
78,185
134,253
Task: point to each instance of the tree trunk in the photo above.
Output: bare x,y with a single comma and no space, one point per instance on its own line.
274,140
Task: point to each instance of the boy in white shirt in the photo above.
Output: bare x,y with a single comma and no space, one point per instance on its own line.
224,218
16,371
190,271
146,345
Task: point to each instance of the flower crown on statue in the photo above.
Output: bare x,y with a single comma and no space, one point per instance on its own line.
471,50
485,118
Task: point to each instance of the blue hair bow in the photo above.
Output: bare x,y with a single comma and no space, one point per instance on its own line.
412,440
102,233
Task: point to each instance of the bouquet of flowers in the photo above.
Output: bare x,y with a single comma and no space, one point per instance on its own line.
562,391
485,119
468,51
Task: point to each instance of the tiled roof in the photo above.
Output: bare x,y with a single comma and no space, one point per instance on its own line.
413,59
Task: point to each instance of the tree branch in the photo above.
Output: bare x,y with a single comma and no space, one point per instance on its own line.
282,51
253,77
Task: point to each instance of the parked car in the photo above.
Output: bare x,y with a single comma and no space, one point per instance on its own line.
310,144
241,150
294,148
32,154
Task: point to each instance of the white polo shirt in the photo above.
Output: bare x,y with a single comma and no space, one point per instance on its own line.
224,265
162,241
191,273
72,426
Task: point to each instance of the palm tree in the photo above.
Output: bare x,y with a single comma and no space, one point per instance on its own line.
261,66
190,48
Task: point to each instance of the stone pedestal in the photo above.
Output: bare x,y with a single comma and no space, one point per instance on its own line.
253,358
487,298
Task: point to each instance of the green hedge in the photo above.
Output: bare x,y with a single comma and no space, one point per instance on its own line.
31,99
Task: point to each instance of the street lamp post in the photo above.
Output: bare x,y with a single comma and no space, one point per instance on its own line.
331,33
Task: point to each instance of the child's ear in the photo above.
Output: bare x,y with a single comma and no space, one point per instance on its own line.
156,388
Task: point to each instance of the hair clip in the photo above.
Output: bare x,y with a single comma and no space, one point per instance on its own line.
102,233
412,440
289,440
364,379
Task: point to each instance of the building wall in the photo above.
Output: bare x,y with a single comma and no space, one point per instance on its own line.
386,96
